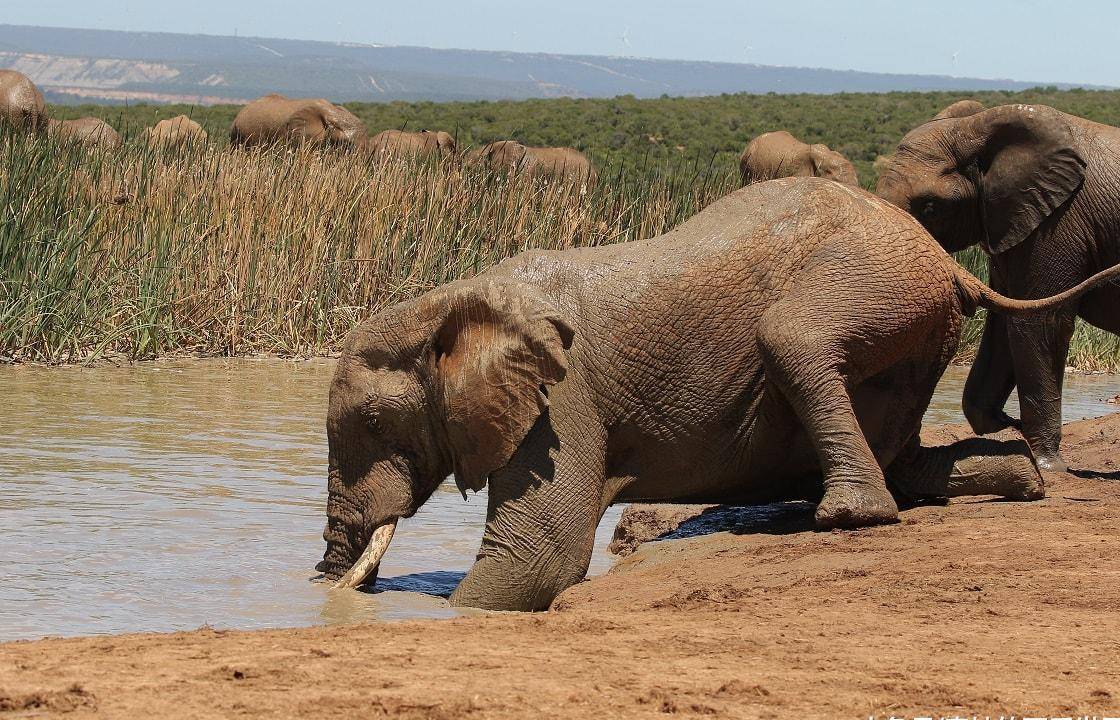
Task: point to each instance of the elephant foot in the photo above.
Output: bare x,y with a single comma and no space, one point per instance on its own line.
1052,462
853,505
1020,480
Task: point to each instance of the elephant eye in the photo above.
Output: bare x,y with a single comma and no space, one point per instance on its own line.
928,210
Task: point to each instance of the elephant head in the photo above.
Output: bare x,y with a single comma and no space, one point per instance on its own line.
991,177
334,124
448,383
832,165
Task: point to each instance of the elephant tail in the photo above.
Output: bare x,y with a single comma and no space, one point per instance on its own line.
975,294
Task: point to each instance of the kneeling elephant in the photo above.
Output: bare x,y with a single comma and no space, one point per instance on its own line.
783,343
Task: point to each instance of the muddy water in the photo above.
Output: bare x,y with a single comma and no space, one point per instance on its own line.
174,495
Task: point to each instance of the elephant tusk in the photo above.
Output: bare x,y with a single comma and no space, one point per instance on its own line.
370,558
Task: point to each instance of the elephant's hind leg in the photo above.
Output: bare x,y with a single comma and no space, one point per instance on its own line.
973,466
802,357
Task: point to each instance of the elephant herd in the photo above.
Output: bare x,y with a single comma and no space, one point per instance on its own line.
784,343
278,119
22,107
275,119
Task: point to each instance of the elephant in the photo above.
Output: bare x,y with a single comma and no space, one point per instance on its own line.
275,119
782,343
175,132
1038,191
21,104
561,163
398,143
961,108
88,131
778,154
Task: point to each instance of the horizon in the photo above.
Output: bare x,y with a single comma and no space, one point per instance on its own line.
867,36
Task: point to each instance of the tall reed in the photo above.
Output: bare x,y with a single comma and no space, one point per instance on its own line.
140,253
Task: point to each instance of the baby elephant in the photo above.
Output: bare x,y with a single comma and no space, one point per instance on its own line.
778,154
783,343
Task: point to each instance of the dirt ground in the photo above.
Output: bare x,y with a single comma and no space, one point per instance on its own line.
978,608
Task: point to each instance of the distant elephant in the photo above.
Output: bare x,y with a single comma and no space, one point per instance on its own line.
1039,190
778,154
276,119
562,163
959,109
398,143
175,132
783,343
21,104
89,131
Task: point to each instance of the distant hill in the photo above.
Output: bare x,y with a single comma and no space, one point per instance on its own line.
102,66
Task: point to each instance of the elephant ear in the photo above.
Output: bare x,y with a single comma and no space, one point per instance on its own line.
820,160
445,142
498,348
307,122
1028,168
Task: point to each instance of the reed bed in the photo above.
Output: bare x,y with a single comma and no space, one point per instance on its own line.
137,254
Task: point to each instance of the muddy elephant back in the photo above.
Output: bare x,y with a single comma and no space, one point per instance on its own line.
22,105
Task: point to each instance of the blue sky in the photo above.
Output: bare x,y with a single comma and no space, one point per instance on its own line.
1038,40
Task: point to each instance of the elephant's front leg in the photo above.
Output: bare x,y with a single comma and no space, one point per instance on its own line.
1038,352
544,507
973,466
990,381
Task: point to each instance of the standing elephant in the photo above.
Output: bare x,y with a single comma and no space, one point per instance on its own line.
175,132
783,343
778,154
1039,191
88,131
561,163
401,144
276,119
21,104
